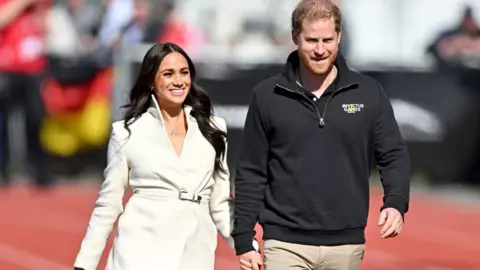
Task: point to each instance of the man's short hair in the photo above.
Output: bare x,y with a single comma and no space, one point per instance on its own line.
312,10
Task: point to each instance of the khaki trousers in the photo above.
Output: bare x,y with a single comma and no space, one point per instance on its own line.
287,256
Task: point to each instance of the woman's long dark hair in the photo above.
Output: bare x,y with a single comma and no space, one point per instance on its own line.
198,99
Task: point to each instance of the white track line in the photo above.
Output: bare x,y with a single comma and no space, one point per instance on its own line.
28,260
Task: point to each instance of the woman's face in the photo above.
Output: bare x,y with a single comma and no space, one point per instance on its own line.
173,80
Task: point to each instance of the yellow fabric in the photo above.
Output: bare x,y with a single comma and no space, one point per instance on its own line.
66,135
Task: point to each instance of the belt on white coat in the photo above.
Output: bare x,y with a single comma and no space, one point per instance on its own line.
182,195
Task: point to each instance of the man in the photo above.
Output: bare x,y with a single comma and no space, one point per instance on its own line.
22,63
459,46
311,138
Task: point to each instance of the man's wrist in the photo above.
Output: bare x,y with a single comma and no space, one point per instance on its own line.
255,245
244,242
396,203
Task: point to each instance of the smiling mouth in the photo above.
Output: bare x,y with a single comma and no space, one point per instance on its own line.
319,59
177,92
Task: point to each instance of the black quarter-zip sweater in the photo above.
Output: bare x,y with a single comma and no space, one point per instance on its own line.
304,163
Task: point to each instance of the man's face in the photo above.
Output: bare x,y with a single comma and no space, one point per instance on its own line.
318,45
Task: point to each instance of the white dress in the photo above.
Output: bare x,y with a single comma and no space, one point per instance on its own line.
159,227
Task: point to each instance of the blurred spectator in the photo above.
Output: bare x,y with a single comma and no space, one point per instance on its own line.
460,46
177,30
457,51
118,15
86,17
70,41
143,27
72,27
22,62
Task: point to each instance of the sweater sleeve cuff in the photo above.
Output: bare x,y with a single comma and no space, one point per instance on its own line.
392,201
244,243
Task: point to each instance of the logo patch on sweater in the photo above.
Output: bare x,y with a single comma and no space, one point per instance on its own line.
352,108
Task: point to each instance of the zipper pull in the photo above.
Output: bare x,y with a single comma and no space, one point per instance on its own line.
322,123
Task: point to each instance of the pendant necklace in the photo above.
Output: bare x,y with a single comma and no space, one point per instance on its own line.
174,131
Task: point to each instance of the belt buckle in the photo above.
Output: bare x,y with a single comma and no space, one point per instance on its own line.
195,198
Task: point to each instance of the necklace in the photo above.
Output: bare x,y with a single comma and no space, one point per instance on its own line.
173,133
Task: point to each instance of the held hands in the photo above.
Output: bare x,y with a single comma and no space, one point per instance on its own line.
391,221
251,260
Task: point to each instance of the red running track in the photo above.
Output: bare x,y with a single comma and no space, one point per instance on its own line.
43,229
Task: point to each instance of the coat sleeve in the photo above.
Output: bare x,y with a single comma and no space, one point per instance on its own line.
108,206
251,174
392,157
221,200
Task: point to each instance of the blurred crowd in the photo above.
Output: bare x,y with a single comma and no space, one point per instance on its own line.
57,60
56,69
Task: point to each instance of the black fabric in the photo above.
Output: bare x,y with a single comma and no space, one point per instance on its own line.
72,70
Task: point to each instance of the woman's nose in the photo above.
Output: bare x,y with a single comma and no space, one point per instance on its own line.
178,80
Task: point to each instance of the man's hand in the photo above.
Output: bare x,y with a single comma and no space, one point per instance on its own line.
392,222
251,260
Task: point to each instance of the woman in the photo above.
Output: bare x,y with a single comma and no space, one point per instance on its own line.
172,152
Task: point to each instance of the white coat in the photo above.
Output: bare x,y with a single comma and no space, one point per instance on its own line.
159,228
